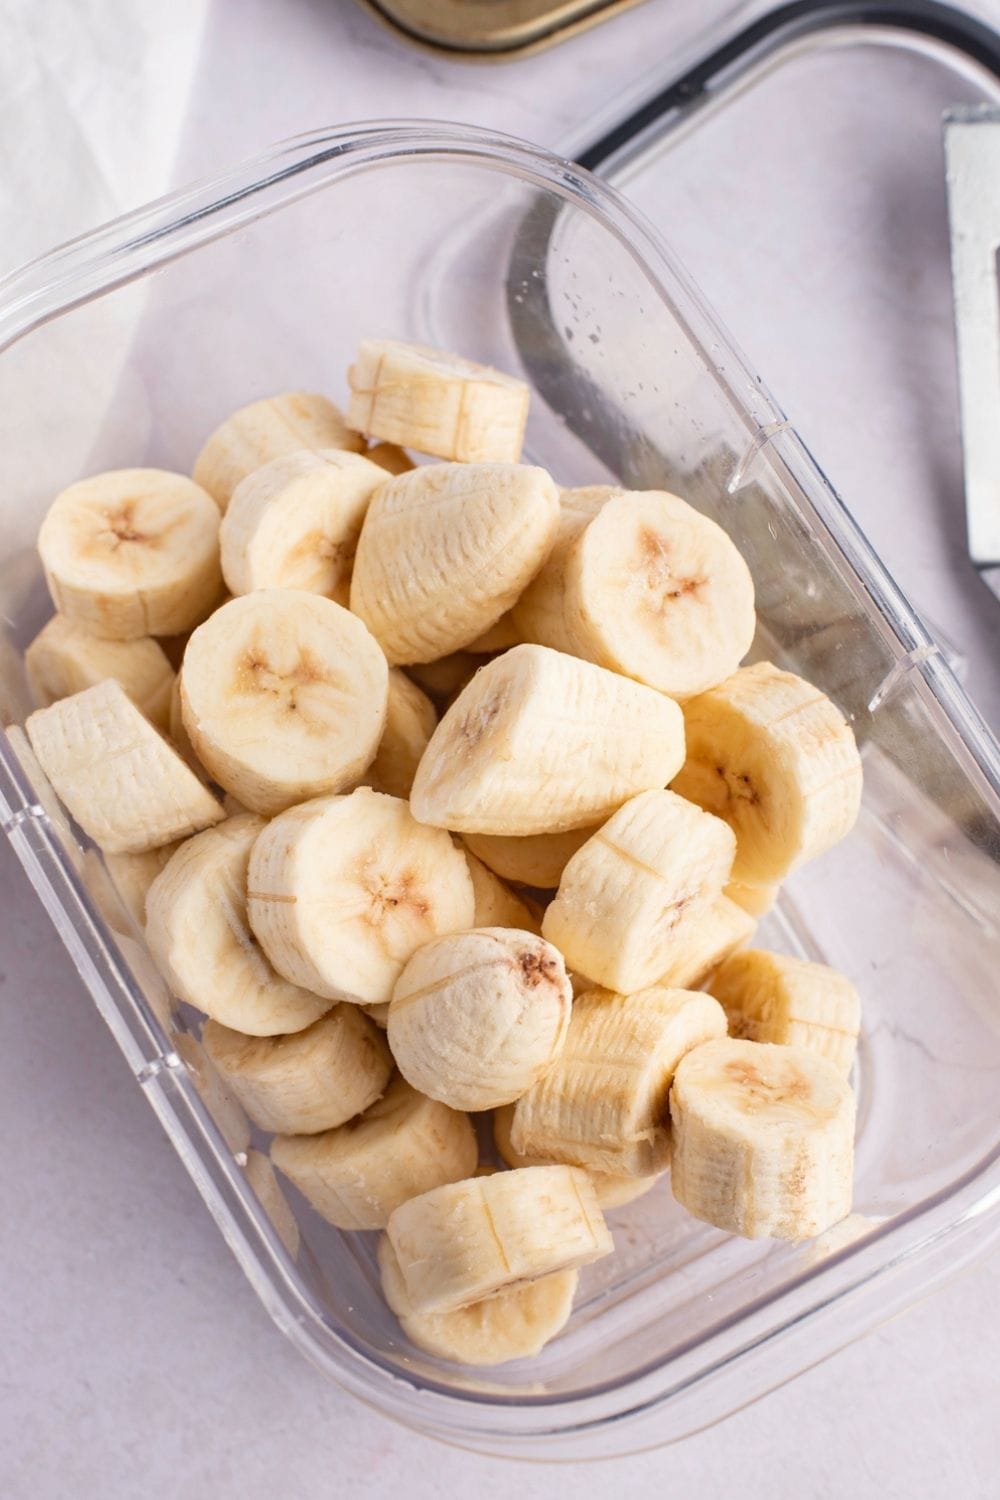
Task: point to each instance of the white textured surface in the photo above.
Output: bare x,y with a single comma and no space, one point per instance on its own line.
134,1359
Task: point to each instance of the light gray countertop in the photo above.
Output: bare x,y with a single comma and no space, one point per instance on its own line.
134,1358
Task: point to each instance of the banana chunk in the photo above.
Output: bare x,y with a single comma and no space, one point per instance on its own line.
344,890
283,695
295,523
769,997
512,1324
437,403
479,1017
702,941
540,613
657,591
603,1105
64,659
445,551
763,1139
197,931
404,1145
496,905
125,786
772,755
535,718
612,1189
255,434
410,720
627,895
466,1240
225,1109
537,859
755,899
308,1081
131,553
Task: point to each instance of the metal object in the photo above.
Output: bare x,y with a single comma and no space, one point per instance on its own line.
972,152
492,29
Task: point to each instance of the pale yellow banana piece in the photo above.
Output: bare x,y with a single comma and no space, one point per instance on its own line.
512,1324
133,874
404,1145
224,1108
122,782
197,930
64,659
496,904
540,613
308,1081
378,1013
537,859
603,1105
769,997
625,895
344,890
499,637
444,552
444,679
774,757
657,591
763,1139
459,1243
295,523
130,553
43,789
260,1175
437,402
702,940
479,1017
612,1189
410,720
391,457
266,429
755,899
540,742
284,697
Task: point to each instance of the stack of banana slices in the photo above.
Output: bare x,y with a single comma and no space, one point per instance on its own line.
460,800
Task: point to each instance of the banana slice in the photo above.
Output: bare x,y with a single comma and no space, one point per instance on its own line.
356,1175
121,781
775,758
755,899
344,890
479,1017
444,679
444,552
410,720
197,931
535,719
284,697
267,429
657,591
221,1103
133,874
131,553
540,613
496,906
437,403
612,1190
512,1324
64,659
769,997
537,859
459,1243
260,1175
625,896
763,1139
603,1105
701,942
390,457
295,523
309,1081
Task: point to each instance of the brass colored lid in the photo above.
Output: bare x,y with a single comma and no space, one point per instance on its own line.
492,28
